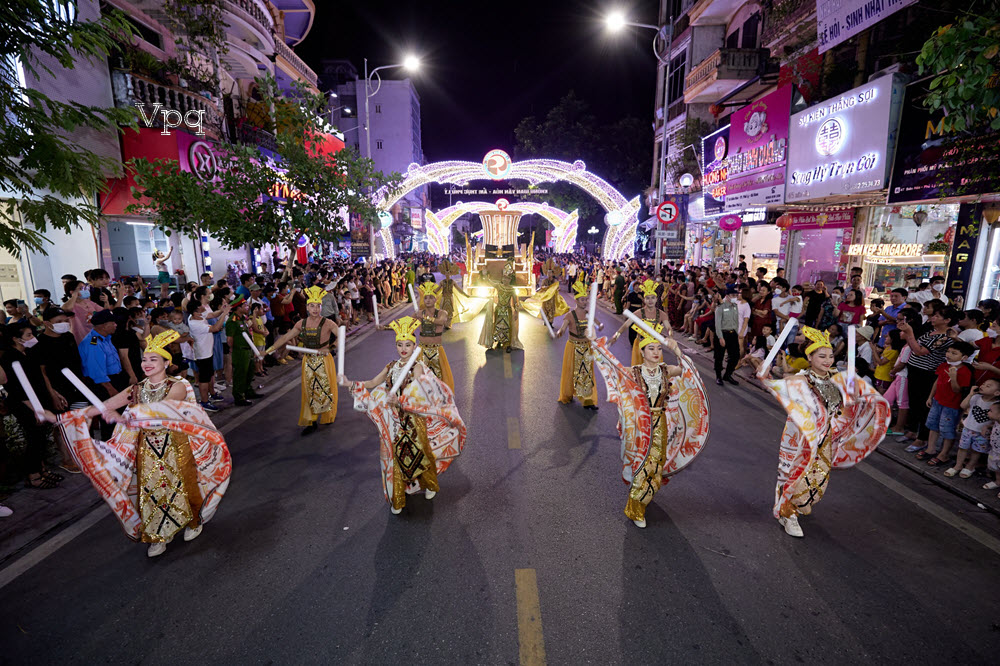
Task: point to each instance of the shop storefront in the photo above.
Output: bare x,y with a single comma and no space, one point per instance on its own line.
759,241
816,246
948,180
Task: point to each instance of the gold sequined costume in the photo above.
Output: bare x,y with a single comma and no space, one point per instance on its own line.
577,378
319,393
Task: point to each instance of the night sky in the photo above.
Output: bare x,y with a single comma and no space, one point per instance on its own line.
487,65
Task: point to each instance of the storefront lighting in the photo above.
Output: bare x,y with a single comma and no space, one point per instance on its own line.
140,224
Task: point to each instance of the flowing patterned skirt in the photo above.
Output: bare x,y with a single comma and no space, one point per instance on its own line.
501,325
812,484
413,459
169,499
436,359
649,478
319,394
577,378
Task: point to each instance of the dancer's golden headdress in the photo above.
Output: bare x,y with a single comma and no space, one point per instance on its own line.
644,337
819,339
580,289
158,345
314,294
648,288
430,289
405,328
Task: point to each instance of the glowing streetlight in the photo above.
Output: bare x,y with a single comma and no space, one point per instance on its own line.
615,21
411,63
593,230
686,180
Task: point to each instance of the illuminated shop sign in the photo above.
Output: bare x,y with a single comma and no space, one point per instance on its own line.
715,150
842,146
886,250
758,151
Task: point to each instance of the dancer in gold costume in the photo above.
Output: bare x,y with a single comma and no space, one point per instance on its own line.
662,417
500,327
453,299
420,430
433,321
828,427
319,390
166,467
650,313
577,378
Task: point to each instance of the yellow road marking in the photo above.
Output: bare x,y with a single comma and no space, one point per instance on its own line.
513,433
508,370
529,618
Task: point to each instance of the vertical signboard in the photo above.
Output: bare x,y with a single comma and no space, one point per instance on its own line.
758,144
361,237
416,219
963,250
715,151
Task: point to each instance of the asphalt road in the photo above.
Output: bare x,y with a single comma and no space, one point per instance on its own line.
525,555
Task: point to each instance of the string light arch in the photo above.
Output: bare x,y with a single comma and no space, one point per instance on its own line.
438,224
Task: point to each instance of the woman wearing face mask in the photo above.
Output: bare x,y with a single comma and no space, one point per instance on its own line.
828,427
21,339
78,302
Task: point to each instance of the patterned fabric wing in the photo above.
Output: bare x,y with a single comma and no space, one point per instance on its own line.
688,404
431,398
634,418
376,404
466,308
862,425
533,304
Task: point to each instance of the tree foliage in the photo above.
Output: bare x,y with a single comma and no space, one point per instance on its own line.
238,206
42,169
963,59
618,152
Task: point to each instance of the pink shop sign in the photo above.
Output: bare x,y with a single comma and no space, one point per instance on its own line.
758,151
838,219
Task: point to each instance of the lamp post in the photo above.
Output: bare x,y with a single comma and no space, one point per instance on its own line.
616,22
410,63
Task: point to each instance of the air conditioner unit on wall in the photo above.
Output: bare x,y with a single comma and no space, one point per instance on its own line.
891,69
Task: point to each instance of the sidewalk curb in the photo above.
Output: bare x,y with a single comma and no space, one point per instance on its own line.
981,503
80,499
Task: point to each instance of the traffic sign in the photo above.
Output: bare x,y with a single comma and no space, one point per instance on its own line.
667,212
665,234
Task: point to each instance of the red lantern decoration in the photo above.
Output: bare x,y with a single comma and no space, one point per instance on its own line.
784,222
730,222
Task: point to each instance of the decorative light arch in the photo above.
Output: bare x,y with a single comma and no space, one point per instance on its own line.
438,224
621,215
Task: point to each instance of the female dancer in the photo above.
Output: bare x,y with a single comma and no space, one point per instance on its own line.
828,427
420,430
662,417
649,313
500,327
319,393
432,324
166,467
577,378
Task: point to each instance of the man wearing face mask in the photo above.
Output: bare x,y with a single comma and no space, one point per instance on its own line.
56,349
101,362
727,339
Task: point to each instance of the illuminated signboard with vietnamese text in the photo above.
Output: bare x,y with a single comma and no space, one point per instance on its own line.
758,151
715,150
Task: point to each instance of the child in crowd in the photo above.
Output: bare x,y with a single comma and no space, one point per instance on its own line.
258,327
837,340
945,401
898,395
758,350
873,319
993,461
887,360
185,341
976,434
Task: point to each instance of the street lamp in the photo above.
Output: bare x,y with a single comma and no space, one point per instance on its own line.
411,63
686,180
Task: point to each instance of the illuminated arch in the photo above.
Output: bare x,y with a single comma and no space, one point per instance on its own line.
438,224
622,215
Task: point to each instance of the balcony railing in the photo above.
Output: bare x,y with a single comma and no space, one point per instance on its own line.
130,89
295,61
251,12
252,136
723,65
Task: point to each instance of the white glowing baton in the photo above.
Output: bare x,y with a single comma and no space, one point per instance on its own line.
375,309
413,297
36,405
852,353
303,350
547,324
341,334
256,352
406,370
776,349
645,327
590,311
82,388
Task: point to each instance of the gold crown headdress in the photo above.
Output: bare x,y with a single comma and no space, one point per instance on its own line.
430,289
819,339
580,289
405,327
158,345
648,288
314,294
644,337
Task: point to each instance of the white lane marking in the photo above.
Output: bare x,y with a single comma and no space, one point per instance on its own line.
942,514
43,550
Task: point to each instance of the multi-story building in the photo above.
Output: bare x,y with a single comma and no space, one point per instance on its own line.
393,141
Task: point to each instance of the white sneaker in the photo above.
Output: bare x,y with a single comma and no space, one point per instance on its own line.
395,511
191,533
639,523
429,494
156,549
5,511
792,527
